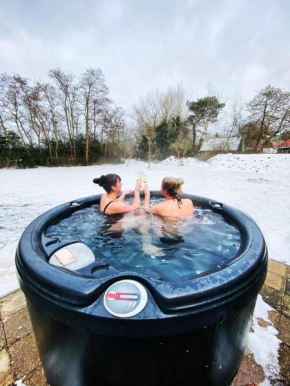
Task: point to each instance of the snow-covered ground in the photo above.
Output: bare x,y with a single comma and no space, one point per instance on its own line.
258,185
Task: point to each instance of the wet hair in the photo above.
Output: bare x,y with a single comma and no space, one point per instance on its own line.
107,181
172,185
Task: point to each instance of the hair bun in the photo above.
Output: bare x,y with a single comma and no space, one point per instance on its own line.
99,181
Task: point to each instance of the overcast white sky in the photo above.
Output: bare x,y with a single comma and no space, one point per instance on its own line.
234,45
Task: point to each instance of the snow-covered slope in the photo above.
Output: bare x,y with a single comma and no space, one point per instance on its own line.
256,163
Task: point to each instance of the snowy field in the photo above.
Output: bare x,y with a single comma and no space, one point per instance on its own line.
258,185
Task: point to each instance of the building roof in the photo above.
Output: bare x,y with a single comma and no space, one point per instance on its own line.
285,143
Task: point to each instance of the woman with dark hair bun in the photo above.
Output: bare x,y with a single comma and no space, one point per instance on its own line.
110,203
174,206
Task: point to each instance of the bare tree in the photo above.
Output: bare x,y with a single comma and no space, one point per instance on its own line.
4,120
44,116
128,142
148,112
181,147
68,96
101,118
173,103
236,115
53,115
93,91
117,124
15,109
270,113
231,129
157,107
31,101
112,126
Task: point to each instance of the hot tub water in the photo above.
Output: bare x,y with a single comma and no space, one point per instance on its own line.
175,250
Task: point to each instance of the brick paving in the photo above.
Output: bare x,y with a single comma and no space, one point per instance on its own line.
19,356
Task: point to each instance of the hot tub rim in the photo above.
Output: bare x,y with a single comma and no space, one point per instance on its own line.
171,297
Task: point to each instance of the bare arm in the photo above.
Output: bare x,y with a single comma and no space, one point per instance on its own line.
136,203
124,194
119,207
147,196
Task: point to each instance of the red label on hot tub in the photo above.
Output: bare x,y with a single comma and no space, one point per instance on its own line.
122,296
125,298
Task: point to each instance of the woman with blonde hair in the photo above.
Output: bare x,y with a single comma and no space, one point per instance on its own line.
174,206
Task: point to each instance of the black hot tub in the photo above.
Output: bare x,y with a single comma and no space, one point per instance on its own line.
98,325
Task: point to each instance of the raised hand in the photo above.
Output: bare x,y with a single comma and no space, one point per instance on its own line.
138,185
124,194
147,196
146,190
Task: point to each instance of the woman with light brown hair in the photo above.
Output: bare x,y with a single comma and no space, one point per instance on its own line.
174,206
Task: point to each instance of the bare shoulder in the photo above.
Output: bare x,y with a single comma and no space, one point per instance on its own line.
158,208
102,202
187,201
188,207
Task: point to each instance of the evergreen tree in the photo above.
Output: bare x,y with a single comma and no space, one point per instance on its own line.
201,113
